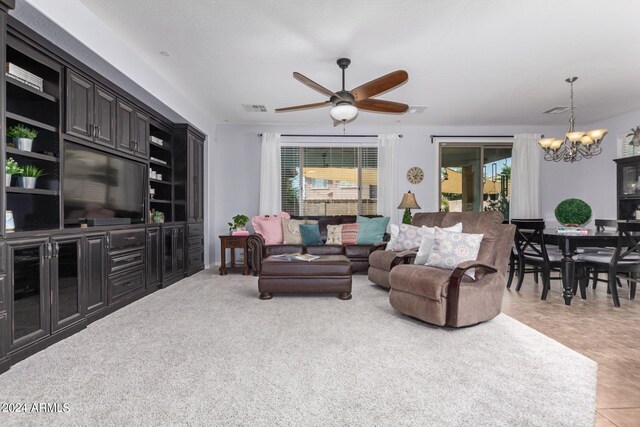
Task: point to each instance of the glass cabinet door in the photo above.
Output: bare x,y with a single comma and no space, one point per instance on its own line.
179,250
630,181
167,250
66,274
29,276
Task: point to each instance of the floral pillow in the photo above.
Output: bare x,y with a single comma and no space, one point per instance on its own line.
404,237
450,248
334,234
291,230
428,235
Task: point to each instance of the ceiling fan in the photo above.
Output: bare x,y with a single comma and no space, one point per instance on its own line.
347,103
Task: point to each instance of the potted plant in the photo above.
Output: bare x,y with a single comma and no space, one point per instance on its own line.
29,175
239,223
22,136
573,212
11,168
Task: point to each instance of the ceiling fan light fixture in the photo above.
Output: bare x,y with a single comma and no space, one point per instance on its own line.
344,112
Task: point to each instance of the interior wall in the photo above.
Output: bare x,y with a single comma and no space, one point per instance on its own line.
237,162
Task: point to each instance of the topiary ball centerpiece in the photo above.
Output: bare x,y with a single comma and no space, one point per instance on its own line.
573,212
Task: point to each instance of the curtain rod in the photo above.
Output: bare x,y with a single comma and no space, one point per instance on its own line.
472,136
328,136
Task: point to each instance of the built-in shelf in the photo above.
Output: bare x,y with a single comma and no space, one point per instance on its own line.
154,162
159,201
20,190
159,181
33,91
31,122
162,147
16,152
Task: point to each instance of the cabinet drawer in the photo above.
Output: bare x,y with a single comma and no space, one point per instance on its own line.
195,243
125,283
126,239
125,260
195,260
196,230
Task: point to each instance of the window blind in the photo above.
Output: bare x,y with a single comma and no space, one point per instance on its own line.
329,180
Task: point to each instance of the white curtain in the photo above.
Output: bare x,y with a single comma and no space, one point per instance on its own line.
270,202
525,176
388,195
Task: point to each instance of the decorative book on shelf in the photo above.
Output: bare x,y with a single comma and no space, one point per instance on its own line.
158,160
157,141
240,233
23,76
573,231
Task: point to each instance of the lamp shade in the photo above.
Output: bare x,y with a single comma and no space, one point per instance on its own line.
344,112
408,201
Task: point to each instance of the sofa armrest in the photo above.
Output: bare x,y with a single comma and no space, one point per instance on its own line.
378,247
255,242
404,257
455,281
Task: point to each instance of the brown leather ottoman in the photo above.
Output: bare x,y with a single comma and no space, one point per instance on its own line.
329,274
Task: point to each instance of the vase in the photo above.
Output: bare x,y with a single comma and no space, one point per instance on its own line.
7,179
241,228
23,144
27,182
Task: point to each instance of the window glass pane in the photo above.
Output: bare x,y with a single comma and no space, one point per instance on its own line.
496,181
326,181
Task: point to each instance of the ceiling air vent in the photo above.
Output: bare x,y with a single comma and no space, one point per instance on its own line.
556,110
253,108
417,109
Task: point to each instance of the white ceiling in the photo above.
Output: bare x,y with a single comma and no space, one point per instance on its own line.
493,62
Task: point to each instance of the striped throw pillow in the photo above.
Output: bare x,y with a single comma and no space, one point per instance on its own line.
349,234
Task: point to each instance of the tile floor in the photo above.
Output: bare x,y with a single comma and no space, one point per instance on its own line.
608,335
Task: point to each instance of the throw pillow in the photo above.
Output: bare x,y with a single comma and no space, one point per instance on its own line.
291,230
350,234
334,234
409,237
451,248
269,227
310,234
394,229
371,230
428,234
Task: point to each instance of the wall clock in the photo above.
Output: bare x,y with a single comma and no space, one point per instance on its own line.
415,175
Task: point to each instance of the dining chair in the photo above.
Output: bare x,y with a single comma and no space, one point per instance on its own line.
602,225
513,260
532,251
623,263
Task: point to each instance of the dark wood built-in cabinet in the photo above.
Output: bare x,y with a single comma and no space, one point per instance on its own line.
628,177
55,276
91,111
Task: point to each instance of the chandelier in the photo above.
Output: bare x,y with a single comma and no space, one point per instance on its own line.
575,145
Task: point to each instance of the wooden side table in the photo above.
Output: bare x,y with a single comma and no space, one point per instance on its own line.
232,243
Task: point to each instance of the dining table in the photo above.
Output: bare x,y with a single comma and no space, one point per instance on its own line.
569,244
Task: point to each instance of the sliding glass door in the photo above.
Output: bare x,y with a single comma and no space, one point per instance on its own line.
475,177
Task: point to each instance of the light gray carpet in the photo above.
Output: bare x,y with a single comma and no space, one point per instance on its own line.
208,351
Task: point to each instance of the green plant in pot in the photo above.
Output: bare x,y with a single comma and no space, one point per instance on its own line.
239,223
11,167
22,136
573,212
29,175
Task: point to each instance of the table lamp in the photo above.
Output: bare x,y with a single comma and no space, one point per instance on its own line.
408,202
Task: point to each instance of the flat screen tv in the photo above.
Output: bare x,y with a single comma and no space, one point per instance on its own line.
101,185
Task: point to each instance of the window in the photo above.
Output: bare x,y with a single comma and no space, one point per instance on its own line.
475,177
329,181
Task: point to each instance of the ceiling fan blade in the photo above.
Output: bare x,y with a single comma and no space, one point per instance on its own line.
313,85
380,85
382,106
303,107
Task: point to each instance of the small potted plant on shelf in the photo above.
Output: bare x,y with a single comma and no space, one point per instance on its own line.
239,223
28,176
22,136
11,168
